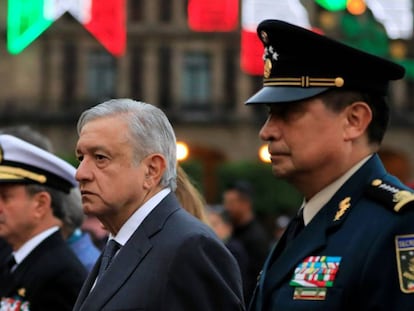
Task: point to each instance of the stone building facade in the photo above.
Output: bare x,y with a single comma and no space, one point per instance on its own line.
194,77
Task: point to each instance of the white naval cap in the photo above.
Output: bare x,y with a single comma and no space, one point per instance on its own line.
22,162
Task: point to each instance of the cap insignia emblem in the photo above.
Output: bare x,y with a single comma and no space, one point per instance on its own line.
270,52
264,36
267,68
269,56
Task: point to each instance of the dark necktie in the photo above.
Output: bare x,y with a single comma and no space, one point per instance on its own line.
295,227
6,274
109,251
11,262
8,264
292,230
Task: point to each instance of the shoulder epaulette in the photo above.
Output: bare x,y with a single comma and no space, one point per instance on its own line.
389,195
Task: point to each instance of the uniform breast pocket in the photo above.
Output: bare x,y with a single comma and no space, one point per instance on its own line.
285,300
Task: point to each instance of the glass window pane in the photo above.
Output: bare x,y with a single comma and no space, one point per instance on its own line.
196,79
100,76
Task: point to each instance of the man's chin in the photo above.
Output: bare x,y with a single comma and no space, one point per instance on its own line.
279,172
88,209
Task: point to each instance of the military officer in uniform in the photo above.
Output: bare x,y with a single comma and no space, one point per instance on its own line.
352,245
42,273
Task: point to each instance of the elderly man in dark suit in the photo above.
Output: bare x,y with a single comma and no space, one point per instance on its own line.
42,272
165,258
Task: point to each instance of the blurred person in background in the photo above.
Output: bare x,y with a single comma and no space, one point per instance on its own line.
397,162
79,241
220,221
27,133
189,196
238,202
280,224
96,230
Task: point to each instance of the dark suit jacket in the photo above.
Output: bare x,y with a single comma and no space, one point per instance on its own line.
368,245
171,262
5,250
49,278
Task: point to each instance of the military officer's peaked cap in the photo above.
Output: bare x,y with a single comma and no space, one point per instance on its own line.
24,163
300,63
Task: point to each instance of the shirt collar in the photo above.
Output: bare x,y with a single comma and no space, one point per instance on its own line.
314,205
30,245
138,217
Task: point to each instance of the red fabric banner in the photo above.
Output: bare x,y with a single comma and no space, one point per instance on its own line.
213,15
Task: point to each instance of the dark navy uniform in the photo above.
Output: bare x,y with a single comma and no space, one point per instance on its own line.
363,236
49,278
41,273
357,252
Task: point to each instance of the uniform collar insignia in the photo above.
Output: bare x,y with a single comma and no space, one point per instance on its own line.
21,292
344,205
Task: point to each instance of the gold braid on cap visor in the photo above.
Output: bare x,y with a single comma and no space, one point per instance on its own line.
304,81
10,172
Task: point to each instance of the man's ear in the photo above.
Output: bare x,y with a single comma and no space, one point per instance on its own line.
42,204
155,166
358,117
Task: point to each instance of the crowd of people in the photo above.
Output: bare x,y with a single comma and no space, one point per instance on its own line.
128,230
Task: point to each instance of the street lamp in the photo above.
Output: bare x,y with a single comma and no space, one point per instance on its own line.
264,154
182,151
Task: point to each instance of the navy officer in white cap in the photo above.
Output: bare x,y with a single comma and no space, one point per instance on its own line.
43,273
351,247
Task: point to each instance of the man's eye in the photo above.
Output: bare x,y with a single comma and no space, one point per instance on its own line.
80,158
100,157
4,196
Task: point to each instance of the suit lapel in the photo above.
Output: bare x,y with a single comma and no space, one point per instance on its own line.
26,266
128,258
7,284
122,266
87,285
